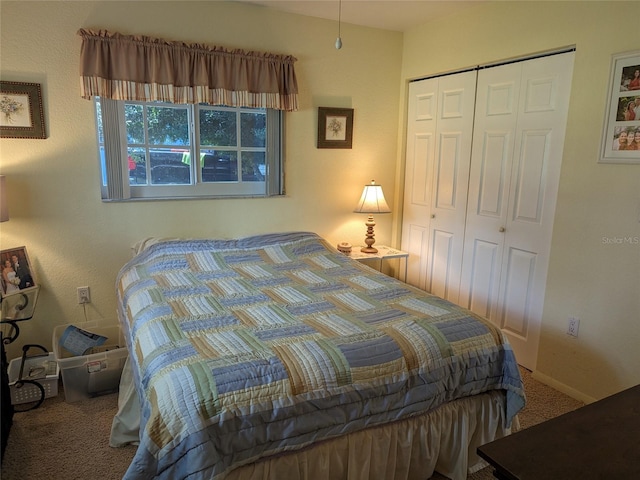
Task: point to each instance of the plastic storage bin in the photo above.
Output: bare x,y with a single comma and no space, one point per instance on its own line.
28,392
86,376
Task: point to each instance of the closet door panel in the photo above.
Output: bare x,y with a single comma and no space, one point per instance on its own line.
494,175
484,274
447,171
518,299
451,174
417,208
421,131
517,149
441,256
528,198
440,120
540,130
421,180
453,96
489,181
426,103
416,241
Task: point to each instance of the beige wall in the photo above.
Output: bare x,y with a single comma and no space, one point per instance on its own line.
598,282
74,239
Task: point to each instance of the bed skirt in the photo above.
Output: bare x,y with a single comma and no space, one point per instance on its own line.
444,441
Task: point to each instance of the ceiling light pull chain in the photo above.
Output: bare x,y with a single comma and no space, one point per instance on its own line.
339,40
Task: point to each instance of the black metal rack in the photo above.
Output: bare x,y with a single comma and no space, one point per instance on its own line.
15,308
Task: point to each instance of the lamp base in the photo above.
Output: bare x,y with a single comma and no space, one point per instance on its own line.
370,239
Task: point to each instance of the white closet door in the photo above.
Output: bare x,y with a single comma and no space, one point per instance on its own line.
515,171
490,177
421,132
439,133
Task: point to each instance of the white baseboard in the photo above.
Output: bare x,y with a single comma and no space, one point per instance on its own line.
561,387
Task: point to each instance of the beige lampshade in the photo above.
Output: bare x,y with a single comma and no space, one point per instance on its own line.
372,200
4,207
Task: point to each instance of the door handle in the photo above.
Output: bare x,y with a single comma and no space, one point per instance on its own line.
502,229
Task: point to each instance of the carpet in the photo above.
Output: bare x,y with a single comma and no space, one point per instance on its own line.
70,441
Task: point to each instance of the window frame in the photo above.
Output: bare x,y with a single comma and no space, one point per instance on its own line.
112,140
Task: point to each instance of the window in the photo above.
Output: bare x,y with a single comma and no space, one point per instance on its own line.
163,150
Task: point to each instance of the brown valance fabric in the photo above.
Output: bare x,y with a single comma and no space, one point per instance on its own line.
128,67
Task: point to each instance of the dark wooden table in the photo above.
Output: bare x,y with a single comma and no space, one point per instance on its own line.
599,441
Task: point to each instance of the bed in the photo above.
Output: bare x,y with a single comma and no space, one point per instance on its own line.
274,356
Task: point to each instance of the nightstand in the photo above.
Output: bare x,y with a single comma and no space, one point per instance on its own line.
384,253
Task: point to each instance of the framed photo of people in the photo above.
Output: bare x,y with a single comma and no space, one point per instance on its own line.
17,274
621,132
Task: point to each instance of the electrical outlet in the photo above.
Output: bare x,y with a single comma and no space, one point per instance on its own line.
83,295
574,325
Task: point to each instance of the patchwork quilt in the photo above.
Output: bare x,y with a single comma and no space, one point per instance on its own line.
247,348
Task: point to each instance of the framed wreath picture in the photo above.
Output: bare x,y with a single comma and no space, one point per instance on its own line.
621,132
335,127
21,113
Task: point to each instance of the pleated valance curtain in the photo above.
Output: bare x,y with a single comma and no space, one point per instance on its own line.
128,67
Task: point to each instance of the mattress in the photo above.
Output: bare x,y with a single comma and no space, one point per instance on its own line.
250,349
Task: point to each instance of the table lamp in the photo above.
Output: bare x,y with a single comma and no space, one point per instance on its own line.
372,201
